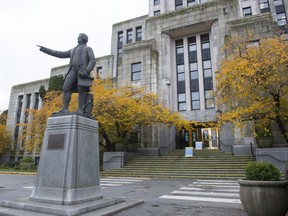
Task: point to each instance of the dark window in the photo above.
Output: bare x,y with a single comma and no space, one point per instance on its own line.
280,13
280,9
181,86
99,71
190,2
178,4
156,2
247,11
157,13
19,107
28,101
194,85
37,98
180,69
192,49
194,79
129,36
207,71
136,71
264,6
139,33
120,43
179,52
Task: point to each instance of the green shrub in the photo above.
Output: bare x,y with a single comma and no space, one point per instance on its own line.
27,160
27,163
262,171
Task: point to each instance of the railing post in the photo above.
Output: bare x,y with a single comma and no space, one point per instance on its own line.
286,170
251,147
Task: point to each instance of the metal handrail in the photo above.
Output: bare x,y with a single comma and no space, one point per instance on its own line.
164,147
221,143
282,161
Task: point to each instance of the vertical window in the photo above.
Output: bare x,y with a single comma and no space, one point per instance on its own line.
157,13
264,6
129,36
190,2
120,43
136,71
139,33
19,108
28,102
247,11
18,116
194,79
178,4
180,70
99,71
280,13
182,102
207,72
156,2
37,98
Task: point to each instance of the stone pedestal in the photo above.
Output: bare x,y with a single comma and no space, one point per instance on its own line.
68,180
68,172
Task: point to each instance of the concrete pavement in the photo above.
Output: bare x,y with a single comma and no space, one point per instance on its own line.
207,200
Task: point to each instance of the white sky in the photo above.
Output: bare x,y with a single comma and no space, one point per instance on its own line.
56,25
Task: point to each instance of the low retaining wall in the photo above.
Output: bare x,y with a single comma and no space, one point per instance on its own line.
240,150
115,160
278,156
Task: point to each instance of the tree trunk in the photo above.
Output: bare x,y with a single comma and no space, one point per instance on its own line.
109,145
278,119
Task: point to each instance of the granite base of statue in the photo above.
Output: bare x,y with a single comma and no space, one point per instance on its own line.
68,179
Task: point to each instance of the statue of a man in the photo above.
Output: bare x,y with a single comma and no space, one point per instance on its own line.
77,79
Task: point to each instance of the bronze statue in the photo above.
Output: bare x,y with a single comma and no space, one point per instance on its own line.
77,79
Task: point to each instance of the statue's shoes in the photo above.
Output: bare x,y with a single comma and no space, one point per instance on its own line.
80,112
63,111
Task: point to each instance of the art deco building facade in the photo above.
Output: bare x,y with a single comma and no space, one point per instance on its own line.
175,51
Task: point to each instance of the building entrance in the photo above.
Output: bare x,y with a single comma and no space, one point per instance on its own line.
188,138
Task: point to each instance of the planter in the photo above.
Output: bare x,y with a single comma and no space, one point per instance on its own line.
264,198
265,142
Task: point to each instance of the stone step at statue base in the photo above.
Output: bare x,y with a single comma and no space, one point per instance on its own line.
105,206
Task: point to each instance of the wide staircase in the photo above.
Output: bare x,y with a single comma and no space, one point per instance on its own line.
205,164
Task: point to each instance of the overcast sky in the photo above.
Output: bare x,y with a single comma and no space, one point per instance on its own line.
54,24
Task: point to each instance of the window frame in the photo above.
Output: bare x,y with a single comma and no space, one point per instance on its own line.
247,14
136,73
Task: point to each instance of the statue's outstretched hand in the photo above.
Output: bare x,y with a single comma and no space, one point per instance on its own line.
41,48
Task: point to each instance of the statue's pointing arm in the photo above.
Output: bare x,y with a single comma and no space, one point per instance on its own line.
55,53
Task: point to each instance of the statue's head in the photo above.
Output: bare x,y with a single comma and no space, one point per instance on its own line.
83,38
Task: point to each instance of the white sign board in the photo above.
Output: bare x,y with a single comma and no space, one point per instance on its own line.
198,145
188,151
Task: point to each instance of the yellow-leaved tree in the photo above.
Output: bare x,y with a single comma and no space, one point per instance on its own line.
33,131
252,83
119,109
5,136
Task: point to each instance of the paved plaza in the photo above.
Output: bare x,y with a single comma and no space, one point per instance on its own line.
161,196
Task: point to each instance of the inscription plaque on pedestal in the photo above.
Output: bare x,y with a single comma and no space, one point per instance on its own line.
56,141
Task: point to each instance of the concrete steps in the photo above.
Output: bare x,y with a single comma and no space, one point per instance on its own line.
206,164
